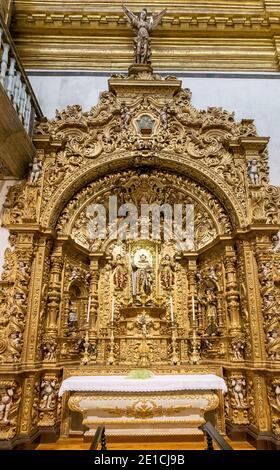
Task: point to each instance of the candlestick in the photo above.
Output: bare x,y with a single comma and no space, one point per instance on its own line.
86,357
171,310
113,308
193,310
88,310
195,353
111,357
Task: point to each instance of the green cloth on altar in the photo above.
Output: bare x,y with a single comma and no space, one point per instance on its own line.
140,374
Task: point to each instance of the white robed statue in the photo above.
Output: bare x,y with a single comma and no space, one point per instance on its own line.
142,273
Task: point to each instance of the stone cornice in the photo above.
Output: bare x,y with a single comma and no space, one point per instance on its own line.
221,34
202,6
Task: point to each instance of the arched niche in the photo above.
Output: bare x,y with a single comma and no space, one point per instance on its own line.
147,186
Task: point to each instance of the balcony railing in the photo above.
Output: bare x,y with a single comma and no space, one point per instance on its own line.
15,82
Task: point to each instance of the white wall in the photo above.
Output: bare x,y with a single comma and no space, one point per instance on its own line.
250,96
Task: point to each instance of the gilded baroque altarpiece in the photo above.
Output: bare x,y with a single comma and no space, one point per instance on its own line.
143,142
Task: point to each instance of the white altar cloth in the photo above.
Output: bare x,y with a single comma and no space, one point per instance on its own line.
157,383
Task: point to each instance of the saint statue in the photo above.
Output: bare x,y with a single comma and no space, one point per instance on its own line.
142,277
120,272
167,268
72,319
143,27
211,313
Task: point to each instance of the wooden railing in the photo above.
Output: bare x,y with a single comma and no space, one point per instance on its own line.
211,434
15,82
99,437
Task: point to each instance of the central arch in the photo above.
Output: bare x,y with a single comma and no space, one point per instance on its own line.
179,164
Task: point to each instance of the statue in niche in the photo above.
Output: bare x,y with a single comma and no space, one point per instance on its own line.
238,388
49,350
253,171
36,169
166,269
211,312
72,319
143,27
6,401
119,272
238,347
142,273
48,391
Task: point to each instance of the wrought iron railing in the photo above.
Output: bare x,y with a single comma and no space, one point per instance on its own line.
15,82
209,430
211,434
99,437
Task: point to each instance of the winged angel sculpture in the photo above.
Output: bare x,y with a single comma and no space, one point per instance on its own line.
143,27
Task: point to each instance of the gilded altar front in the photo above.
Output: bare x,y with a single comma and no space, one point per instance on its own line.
71,300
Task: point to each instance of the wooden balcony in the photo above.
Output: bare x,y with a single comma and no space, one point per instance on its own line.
18,110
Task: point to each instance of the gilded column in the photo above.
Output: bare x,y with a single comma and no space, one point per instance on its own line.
93,292
31,346
253,300
259,391
192,281
36,293
29,408
232,294
54,291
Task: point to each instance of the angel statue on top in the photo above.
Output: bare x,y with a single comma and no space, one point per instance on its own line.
143,27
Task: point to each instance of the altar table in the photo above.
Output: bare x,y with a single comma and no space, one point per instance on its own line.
160,405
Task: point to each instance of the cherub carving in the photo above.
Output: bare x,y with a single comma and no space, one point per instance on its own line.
6,401
48,392
238,388
253,171
36,169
